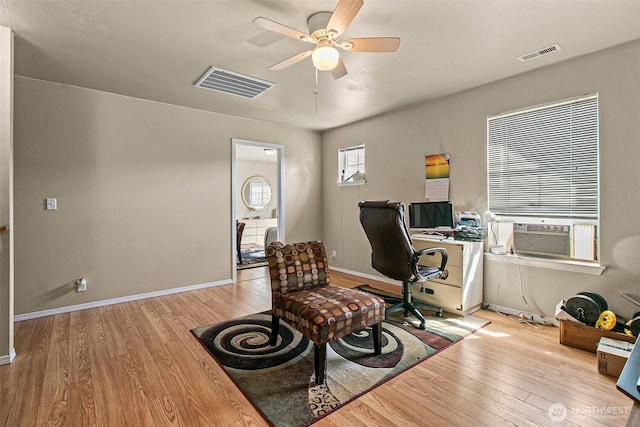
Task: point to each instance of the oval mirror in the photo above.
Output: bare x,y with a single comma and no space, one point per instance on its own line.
256,193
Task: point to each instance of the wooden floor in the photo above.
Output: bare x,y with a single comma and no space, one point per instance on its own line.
137,364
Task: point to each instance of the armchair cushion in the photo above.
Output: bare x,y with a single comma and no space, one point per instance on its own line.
326,313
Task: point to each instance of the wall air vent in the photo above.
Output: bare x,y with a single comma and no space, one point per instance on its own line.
539,52
226,81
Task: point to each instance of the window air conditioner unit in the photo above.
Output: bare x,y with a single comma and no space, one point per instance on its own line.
542,239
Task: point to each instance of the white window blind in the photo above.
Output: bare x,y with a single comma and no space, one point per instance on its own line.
543,162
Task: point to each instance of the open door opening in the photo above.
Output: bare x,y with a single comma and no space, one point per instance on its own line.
257,201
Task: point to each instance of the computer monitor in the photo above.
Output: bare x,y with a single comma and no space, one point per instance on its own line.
430,216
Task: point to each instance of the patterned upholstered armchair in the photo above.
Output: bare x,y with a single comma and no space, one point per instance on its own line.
303,297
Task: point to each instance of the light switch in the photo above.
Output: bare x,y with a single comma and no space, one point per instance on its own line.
52,204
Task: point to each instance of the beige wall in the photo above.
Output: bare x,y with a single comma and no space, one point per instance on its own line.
396,144
143,192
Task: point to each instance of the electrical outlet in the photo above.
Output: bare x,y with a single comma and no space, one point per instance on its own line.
334,255
51,204
81,284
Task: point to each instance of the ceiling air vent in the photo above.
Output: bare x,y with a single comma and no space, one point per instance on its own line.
539,52
233,83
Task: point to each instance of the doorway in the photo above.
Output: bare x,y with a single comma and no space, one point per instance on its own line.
257,201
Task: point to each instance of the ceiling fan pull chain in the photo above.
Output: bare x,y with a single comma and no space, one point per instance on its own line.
316,92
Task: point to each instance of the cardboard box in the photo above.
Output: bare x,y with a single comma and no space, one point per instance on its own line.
612,355
586,337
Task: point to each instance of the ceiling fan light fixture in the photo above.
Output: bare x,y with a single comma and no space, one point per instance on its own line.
325,29
325,57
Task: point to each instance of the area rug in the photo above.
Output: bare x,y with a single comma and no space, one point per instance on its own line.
279,381
252,257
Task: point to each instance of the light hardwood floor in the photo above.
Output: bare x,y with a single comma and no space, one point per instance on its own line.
137,364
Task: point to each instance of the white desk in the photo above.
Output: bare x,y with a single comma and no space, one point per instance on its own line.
462,291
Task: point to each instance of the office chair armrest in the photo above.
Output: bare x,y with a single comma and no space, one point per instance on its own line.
429,251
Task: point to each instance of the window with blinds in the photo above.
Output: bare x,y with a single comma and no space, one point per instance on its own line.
542,164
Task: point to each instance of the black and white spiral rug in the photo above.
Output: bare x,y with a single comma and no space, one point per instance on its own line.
279,380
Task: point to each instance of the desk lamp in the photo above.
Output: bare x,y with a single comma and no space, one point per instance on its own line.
490,218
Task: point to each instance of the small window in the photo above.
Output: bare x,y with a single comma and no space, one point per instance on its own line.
543,178
351,168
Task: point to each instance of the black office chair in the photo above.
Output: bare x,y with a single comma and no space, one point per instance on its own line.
393,254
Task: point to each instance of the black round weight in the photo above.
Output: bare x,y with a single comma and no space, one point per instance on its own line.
635,326
597,298
583,308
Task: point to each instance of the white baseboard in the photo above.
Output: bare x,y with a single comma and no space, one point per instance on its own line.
366,276
536,318
5,360
94,304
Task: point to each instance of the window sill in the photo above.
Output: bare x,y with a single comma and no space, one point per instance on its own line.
554,264
351,183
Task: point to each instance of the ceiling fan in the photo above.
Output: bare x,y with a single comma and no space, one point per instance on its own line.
324,30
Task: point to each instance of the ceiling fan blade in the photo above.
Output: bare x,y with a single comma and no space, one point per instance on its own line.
290,61
372,44
343,14
270,25
340,70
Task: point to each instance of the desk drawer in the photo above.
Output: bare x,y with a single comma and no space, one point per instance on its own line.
266,222
454,252
455,271
454,278
248,239
445,296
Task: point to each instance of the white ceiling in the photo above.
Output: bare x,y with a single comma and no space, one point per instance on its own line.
156,50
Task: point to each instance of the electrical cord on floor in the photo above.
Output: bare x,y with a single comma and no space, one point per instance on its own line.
522,317
538,311
521,284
